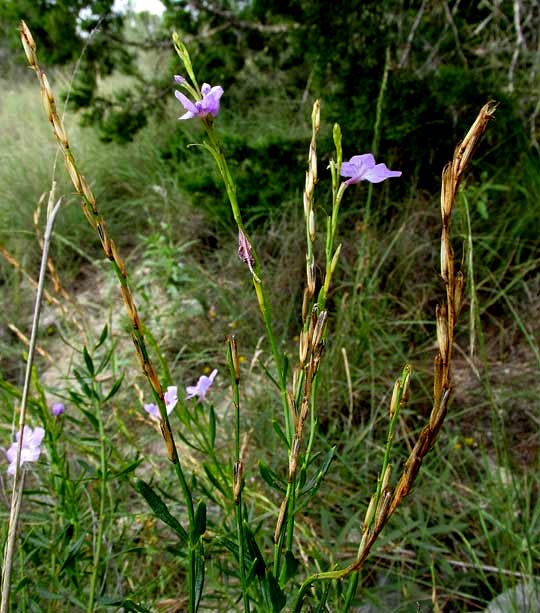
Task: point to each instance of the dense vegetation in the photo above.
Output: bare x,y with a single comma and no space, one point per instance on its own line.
405,81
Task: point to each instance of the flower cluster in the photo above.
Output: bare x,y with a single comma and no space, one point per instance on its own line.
171,395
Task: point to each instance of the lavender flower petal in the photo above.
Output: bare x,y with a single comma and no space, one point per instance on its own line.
31,447
203,384
363,167
171,398
380,172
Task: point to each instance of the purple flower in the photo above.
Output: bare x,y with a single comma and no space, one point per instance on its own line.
178,78
57,409
361,167
200,108
244,250
30,447
171,400
202,386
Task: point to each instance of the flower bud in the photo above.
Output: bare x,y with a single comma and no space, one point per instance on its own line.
28,43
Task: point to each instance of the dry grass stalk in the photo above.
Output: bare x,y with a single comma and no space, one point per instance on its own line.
22,337
446,317
57,284
91,212
18,266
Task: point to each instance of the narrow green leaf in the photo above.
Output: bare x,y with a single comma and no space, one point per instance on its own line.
212,426
114,388
289,569
199,524
268,374
285,366
103,336
88,361
271,477
199,571
277,597
90,418
255,553
215,481
73,552
277,429
22,583
128,469
313,484
160,509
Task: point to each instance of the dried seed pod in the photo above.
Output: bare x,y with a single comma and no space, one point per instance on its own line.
309,185
369,515
445,254
238,480
386,478
46,86
310,275
459,287
335,259
293,459
305,305
437,378
319,328
382,510
46,103
442,331
395,398
447,193
28,43
406,387
87,193
73,174
316,115
312,226
59,129
281,519
303,347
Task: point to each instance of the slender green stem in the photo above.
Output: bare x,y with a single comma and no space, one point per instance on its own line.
102,497
232,358
216,149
